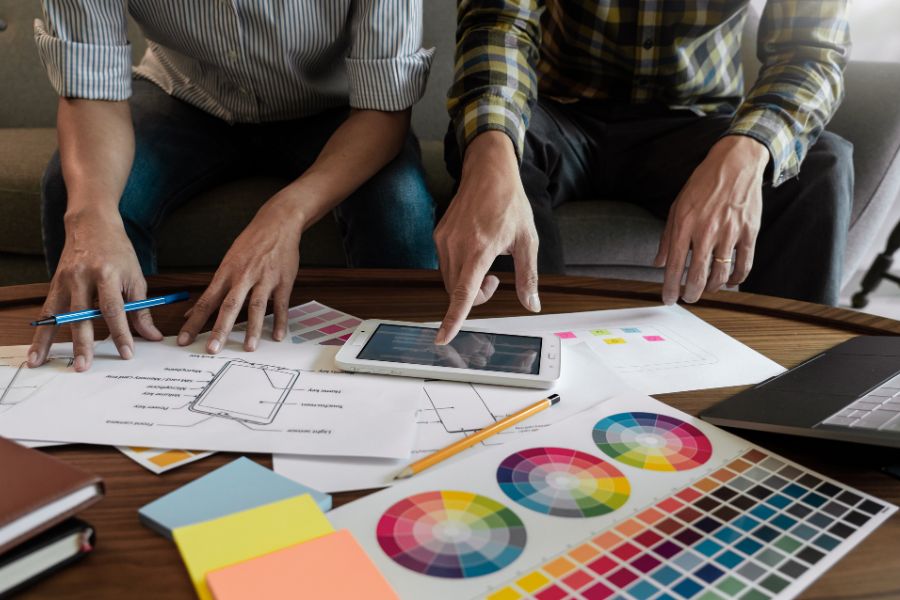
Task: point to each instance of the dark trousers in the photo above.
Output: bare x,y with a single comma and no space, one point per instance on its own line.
646,155
181,151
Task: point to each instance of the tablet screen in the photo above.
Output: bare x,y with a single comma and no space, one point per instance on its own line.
468,350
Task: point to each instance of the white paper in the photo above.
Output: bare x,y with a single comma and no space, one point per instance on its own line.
655,350
281,398
549,535
450,411
18,382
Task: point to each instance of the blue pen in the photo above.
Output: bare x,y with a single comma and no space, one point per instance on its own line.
93,313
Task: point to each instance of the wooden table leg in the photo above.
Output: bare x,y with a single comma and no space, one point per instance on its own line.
879,270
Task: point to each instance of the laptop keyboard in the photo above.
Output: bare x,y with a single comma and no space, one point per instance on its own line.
879,409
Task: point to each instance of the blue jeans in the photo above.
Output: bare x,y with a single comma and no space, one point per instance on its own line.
181,151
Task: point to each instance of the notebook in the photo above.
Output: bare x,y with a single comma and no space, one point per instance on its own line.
237,486
240,536
39,491
318,568
44,554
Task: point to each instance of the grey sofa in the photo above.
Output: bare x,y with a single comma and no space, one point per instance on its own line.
605,237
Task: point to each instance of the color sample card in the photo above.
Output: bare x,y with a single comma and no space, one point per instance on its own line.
318,568
630,499
315,322
211,545
240,485
159,460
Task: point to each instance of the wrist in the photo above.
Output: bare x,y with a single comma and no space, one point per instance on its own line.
92,216
490,157
748,151
287,209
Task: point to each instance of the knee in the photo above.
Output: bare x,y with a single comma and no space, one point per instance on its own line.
831,158
398,193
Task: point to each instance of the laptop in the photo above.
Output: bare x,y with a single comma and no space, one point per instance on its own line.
850,393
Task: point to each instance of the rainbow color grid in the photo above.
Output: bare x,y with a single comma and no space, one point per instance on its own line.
315,322
749,530
652,441
451,534
563,482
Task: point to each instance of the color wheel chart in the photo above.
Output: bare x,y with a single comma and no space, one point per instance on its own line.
562,482
722,519
451,534
652,441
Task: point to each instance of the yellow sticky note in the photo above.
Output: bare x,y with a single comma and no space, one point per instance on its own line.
331,566
247,534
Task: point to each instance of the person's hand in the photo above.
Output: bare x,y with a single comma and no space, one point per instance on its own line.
97,262
261,264
715,216
489,216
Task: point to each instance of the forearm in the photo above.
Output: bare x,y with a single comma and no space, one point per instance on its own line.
96,147
363,145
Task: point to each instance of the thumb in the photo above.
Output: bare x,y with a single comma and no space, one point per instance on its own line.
525,259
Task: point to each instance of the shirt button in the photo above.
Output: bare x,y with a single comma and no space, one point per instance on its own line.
232,55
648,43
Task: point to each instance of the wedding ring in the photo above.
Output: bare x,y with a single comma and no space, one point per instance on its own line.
722,260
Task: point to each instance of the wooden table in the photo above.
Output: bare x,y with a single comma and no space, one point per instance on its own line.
132,562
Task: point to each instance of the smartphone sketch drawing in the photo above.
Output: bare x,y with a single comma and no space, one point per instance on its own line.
246,392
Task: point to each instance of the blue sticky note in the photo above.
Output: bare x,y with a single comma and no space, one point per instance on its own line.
240,485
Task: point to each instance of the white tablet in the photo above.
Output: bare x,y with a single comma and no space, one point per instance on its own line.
475,356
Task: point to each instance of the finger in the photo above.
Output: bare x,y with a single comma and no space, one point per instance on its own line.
200,313
721,265
112,306
142,320
280,301
525,258
743,262
679,242
43,335
82,331
461,299
663,252
698,273
256,314
489,285
444,265
228,313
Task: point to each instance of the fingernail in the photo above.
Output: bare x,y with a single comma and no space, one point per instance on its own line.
126,352
214,346
439,338
278,335
534,303
184,338
33,359
80,363
250,343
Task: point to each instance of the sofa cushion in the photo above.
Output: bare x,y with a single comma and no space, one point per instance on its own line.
24,154
608,233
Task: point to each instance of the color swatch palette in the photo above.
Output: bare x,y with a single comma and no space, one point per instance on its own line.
451,534
652,441
315,322
562,482
723,519
160,460
746,531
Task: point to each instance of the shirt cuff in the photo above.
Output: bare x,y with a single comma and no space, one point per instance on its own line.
491,113
388,84
86,71
767,127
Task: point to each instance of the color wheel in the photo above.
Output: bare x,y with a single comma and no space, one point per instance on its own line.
451,534
563,482
652,441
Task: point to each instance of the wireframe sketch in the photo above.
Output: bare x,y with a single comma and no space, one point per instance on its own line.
22,381
246,392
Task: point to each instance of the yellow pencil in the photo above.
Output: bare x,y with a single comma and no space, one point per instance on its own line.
467,442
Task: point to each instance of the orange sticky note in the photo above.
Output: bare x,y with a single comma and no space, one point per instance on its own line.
331,566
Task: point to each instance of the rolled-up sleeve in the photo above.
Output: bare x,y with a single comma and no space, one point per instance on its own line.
804,46
84,47
387,67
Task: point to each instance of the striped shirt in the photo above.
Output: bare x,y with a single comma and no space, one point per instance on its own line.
679,53
242,60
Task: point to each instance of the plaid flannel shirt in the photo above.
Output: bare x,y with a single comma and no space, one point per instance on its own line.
681,53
